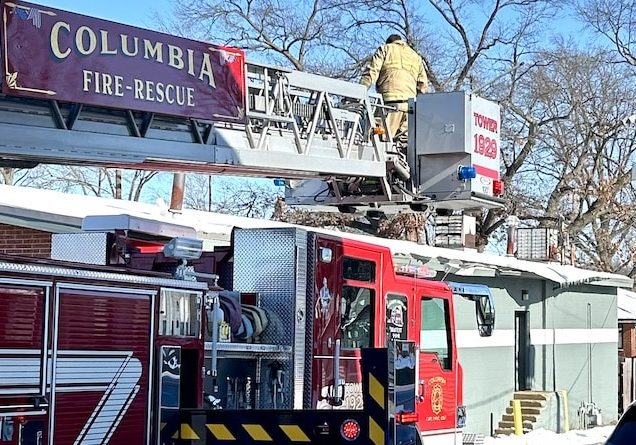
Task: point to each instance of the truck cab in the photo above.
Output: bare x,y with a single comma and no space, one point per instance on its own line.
364,299
327,299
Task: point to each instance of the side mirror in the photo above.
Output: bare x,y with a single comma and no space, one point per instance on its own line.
485,313
481,295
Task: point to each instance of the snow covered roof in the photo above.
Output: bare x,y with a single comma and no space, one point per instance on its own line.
626,305
59,212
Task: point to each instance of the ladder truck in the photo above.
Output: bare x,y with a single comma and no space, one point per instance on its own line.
127,337
322,340
78,90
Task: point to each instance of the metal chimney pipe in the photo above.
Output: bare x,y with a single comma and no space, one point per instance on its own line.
513,223
178,190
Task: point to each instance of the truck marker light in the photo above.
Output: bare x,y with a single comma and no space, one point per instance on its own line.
350,430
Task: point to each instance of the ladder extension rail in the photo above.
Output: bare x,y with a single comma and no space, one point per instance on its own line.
298,126
313,108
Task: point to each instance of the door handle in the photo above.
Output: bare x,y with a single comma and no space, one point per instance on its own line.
420,396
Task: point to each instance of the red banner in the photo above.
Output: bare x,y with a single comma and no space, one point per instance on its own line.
53,54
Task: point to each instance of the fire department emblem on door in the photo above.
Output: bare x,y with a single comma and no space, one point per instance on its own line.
437,394
437,399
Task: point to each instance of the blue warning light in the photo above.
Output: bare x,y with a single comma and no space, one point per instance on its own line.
464,173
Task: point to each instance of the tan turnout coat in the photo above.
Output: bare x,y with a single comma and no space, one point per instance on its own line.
397,71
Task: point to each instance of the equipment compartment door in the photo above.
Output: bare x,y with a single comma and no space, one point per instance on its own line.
24,339
101,352
437,383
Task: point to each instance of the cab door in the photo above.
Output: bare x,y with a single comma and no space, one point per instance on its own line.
437,368
325,312
345,292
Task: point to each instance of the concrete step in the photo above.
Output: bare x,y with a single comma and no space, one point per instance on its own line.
508,431
525,411
510,418
530,395
525,425
531,403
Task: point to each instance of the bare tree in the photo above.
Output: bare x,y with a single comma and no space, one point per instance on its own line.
616,21
236,196
299,34
15,176
92,181
575,175
199,192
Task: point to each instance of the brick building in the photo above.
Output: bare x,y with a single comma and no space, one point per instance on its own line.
626,347
24,241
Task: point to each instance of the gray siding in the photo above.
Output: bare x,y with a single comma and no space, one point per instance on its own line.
489,363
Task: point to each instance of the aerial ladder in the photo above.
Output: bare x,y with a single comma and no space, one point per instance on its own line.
326,138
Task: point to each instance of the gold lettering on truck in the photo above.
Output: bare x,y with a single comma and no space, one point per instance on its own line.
86,41
55,40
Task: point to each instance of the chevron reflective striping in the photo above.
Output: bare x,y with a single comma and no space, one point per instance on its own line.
257,432
163,425
186,432
376,390
294,433
220,431
376,434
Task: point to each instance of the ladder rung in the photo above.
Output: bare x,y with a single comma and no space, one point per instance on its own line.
270,117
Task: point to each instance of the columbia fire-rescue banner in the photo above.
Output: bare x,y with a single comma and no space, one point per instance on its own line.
56,55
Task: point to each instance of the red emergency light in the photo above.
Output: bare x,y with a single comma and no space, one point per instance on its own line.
497,188
350,430
415,270
145,246
406,418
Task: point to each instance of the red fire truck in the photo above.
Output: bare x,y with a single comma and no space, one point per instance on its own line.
116,354
322,339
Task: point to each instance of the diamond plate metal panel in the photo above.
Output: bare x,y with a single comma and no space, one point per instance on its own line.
273,262
86,248
300,314
309,320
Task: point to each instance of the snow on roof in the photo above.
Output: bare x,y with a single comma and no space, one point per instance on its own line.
626,305
59,212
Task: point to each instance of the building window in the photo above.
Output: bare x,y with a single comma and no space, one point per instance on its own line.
180,313
356,307
620,336
435,334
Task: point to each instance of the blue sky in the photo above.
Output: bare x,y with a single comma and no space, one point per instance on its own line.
140,13
130,12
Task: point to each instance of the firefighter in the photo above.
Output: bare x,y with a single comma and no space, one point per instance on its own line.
398,73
